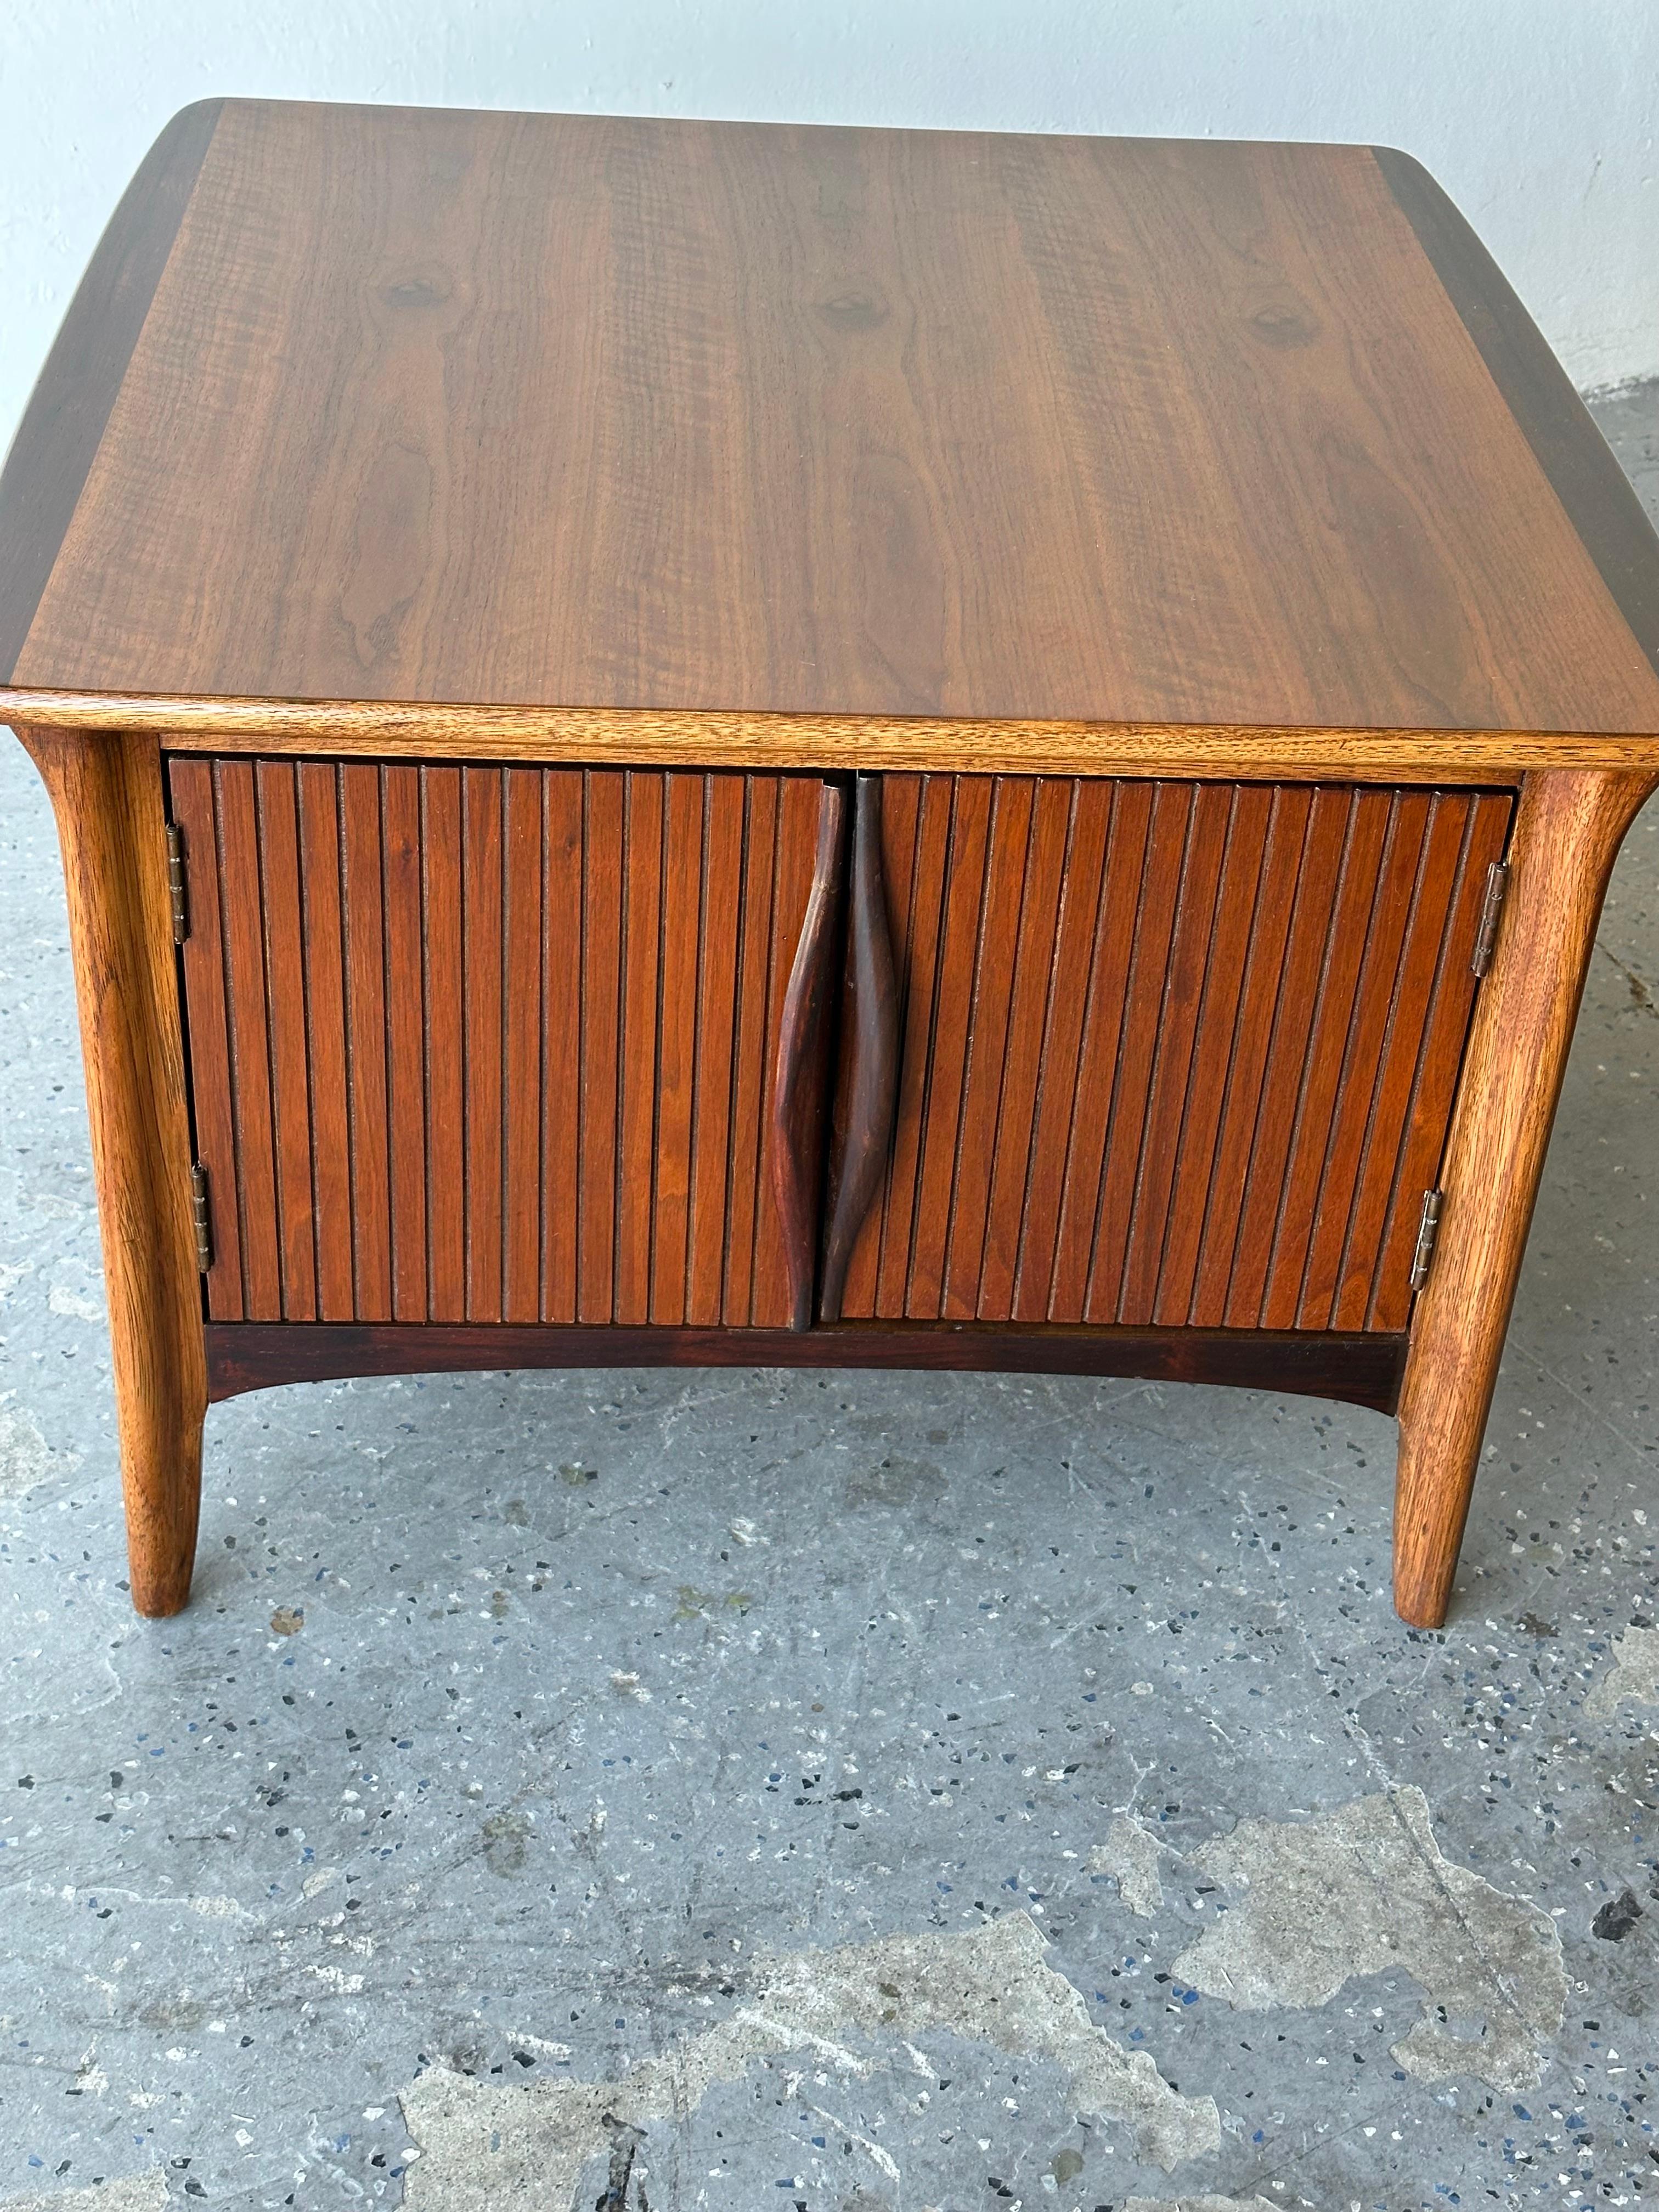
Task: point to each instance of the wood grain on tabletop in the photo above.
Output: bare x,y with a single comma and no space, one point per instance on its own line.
433,406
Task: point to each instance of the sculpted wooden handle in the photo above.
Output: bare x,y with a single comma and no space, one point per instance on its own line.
798,1086
872,1020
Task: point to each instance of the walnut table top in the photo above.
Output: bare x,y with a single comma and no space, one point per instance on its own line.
817,444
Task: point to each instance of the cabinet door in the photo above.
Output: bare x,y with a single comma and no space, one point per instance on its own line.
1172,1053
489,1044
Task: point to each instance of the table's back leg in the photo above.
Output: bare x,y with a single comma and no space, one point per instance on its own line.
1567,832
106,794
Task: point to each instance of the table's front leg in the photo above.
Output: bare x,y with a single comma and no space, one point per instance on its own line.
1567,833
106,794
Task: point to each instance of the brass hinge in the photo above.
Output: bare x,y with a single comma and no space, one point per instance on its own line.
1428,1229
1491,908
176,882
198,1215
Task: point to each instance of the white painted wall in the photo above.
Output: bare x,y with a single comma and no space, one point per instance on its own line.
1538,116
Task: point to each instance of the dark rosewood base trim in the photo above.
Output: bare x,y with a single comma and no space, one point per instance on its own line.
1365,1370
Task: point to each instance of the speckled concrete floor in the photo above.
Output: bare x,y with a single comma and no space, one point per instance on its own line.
737,1791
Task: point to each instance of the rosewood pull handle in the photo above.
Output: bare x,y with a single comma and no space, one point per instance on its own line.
872,1017
798,1085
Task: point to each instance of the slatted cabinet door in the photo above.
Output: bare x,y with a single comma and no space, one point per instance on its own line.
1172,1053
488,1044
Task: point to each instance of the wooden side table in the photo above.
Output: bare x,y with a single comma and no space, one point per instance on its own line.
702,742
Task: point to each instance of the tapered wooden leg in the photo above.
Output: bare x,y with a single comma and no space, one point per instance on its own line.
106,794
1567,833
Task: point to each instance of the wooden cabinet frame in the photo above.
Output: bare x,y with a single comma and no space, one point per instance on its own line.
171,1361
1195,544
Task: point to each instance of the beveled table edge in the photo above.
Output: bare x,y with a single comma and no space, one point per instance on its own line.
1599,499
701,737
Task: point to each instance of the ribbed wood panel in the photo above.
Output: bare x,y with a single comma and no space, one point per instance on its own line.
487,1044
1173,1052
